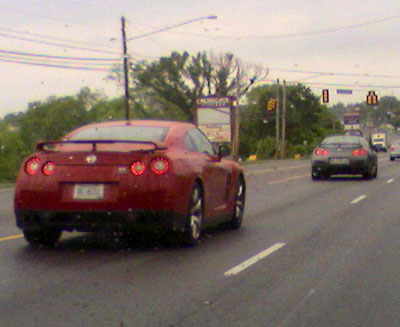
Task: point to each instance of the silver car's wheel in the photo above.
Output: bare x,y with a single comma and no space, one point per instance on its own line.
195,217
375,174
238,210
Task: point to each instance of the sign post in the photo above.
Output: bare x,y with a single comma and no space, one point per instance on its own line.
214,118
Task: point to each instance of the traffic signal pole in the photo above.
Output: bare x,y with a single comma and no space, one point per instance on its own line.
277,120
236,121
126,76
284,109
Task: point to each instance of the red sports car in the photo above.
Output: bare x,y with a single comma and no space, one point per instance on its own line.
128,175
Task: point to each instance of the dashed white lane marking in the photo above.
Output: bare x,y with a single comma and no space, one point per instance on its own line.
360,198
254,259
390,181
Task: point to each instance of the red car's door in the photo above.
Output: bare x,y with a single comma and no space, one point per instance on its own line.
217,177
214,174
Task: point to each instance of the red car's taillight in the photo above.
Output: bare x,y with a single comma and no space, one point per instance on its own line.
138,168
321,152
360,152
32,166
159,166
49,168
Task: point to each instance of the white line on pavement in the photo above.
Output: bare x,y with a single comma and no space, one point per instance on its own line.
360,198
249,262
390,181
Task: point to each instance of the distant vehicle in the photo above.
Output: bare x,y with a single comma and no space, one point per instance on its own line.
124,176
394,150
344,155
379,141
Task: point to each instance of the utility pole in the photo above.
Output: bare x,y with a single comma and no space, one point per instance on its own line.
277,120
235,145
284,108
126,77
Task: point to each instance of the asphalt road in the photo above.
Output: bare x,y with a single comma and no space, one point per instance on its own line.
310,253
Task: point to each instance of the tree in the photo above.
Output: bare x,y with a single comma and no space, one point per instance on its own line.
307,120
170,86
11,153
52,119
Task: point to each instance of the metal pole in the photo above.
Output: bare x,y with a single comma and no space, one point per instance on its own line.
235,146
283,153
126,77
277,120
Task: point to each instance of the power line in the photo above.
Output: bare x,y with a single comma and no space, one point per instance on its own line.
333,74
54,66
52,61
291,35
57,57
171,27
341,85
54,38
56,44
355,85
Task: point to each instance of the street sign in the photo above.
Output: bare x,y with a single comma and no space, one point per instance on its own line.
214,117
344,91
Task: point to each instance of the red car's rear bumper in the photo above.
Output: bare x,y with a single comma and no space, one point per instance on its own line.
89,221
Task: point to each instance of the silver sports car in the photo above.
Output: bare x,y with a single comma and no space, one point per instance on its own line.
344,155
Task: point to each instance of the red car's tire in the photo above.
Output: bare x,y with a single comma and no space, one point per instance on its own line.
194,219
238,207
42,237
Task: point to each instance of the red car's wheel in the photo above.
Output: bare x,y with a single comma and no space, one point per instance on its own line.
238,209
194,218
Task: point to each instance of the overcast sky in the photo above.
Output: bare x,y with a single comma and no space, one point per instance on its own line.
338,44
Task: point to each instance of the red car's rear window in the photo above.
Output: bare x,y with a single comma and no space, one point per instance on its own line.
127,133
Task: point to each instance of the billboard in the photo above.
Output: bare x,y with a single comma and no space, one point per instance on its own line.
214,118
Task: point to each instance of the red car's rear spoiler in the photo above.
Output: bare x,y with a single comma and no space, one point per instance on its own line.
50,145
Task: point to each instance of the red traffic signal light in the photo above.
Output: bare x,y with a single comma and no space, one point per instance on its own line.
325,96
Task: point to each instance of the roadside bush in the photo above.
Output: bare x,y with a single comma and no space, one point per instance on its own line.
11,154
265,148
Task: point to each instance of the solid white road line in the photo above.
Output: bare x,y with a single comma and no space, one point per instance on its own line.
249,262
360,198
390,181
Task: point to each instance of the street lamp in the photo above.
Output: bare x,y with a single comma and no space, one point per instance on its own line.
173,26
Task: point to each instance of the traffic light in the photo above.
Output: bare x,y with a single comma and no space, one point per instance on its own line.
325,96
372,98
271,104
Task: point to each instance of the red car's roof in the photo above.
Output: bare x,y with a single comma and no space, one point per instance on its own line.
143,122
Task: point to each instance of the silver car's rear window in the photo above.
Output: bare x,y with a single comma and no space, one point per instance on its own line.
127,133
338,140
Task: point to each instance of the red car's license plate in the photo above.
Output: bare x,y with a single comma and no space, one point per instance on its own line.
88,191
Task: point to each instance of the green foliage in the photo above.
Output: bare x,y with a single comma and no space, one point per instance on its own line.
11,153
51,119
170,86
307,121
